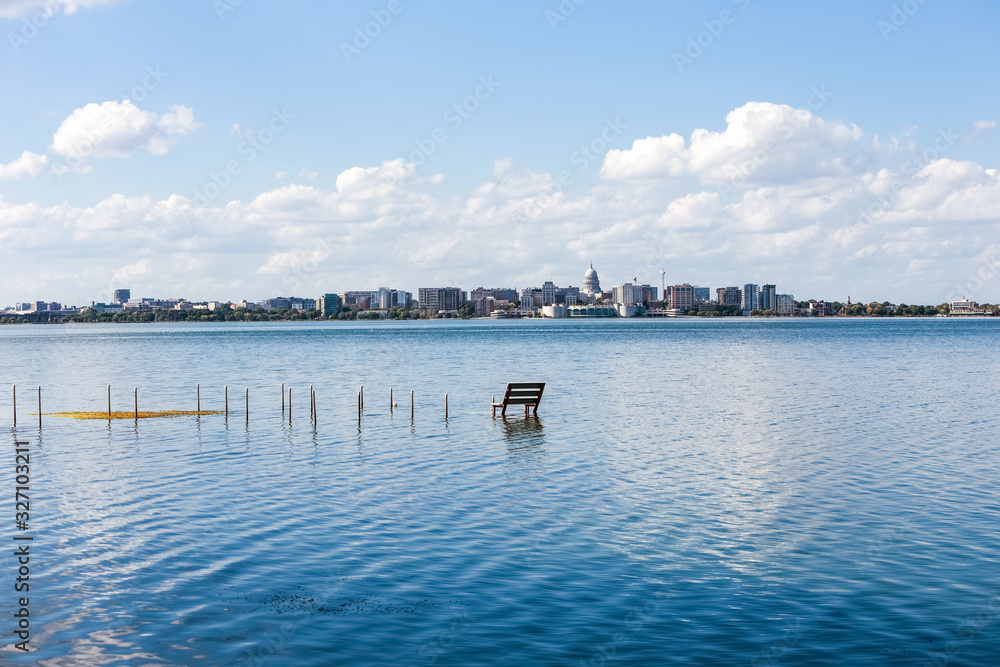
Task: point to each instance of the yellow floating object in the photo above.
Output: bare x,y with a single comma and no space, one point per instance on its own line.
132,415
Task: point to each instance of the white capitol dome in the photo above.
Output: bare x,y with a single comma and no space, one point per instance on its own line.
591,283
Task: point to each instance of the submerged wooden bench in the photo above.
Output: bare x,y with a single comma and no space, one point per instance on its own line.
520,393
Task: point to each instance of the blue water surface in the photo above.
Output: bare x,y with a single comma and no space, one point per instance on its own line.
731,492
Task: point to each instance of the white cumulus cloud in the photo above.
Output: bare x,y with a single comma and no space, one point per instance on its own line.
763,143
117,129
27,166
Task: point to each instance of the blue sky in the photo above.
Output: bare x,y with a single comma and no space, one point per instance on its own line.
789,121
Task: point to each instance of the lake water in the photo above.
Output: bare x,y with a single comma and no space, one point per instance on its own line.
734,492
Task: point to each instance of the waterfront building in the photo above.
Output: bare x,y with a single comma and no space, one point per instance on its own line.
820,309
402,299
785,304
390,298
702,293
549,294
327,305
553,311
965,307
122,296
137,306
682,297
581,310
485,307
768,298
729,296
275,303
531,298
503,293
356,299
627,294
750,298
107,308
434,300
629,310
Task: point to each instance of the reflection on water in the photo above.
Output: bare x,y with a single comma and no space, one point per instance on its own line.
524,436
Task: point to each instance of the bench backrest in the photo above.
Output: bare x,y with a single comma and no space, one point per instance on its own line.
523,393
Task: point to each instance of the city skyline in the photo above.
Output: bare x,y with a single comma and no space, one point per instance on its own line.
388,295
350,153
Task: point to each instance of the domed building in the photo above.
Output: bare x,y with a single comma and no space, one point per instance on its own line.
591,283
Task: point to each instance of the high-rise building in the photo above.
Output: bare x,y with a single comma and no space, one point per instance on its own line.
750,298
356,299
729,296
328,304
502,293
768,297
784,304
626,295
702,293
436,299
682,296
648,294
122,296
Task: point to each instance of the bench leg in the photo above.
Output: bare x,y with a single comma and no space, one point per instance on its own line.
525,410
536,409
